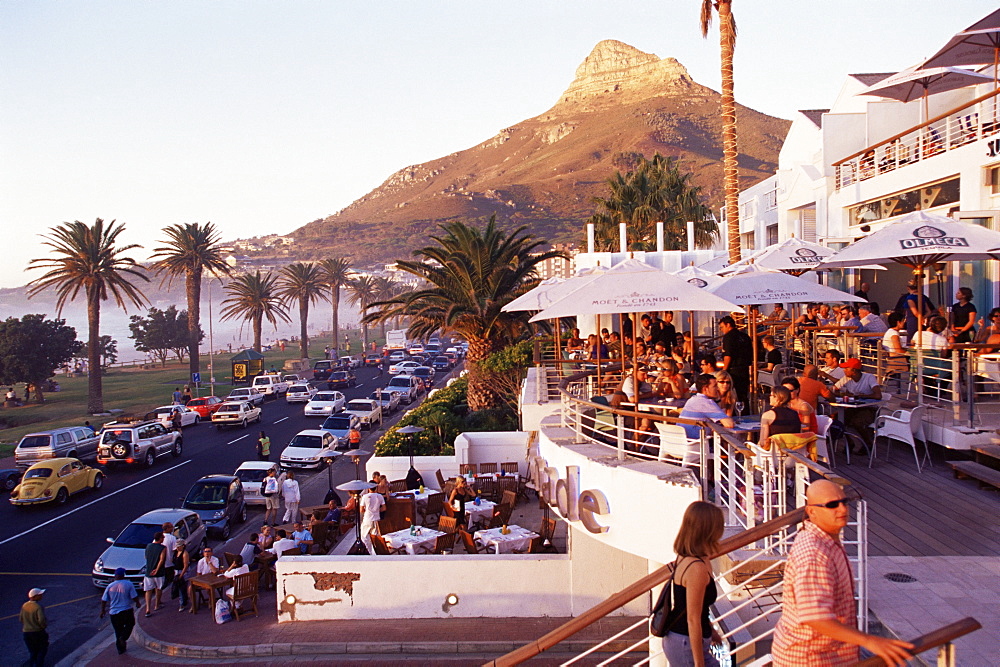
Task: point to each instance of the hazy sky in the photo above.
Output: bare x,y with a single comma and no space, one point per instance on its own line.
263,116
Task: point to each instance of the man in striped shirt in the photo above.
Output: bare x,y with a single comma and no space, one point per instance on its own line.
818,621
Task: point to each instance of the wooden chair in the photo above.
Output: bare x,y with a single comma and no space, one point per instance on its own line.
385,526
401,511
440,478
230,558
380,546
291,552
347,521
449,510
469,542
397,486
444,542
447,524
321,538
547,533
433,510
503,511
245,587
467,469
448,487
487,468
534,547
508,496
487,488
509,468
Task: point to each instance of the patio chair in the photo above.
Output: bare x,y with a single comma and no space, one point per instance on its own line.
444,543
509,468
447,510
547,532
321,538
230,558
534,546
487,468
825,450
292,552
469,542
397,486
448,487
433,510
906,426
487,488
447,524
382,548
440,478
676,447
508,498
245,587
467,469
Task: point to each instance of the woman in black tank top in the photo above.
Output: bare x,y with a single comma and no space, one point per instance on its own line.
691,635
780,418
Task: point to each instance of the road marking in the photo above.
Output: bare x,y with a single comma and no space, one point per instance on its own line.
92,502
238,439
50,606
278,421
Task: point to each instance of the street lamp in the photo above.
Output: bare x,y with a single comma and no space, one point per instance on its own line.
355,488
413,478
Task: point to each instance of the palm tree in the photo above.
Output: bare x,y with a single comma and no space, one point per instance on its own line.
304,283
653,191
470,275
189,251
336,274
730,175
87,258
385,289
254,297
362,293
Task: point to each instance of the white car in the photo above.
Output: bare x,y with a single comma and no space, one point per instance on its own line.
269,385
389,400
300,392
403,367
367,410
324,404
251,474
247,395
165,415
236,413
309,449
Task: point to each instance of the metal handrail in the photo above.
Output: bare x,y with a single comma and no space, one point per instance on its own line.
934,639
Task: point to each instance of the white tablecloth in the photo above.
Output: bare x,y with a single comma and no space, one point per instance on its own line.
420,498
518,538
475,513
413,543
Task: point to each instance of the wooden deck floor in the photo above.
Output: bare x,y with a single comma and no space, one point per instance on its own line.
926,514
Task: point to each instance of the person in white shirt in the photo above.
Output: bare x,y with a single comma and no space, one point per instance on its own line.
371,511
832,371
932,338
290,492
235,569
858,384
170,542
208,564
283,544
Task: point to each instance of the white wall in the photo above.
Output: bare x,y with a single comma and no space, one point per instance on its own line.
493,447
396,467
505,586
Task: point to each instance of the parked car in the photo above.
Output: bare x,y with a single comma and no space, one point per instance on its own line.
9,478
205,405
165,415
245,394
349,362
76,442
373,359
441,363
300,392
218,501
271,386
403,367
232,413
389,400
341,380
251,474
407,386
128,550
55,480
325,403
339,426
426,375
366,410
309,449
137,442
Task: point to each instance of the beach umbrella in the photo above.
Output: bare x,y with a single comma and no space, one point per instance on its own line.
979,44
915,83
701,278
793,256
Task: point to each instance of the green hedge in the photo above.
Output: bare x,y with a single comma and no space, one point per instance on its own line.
442,418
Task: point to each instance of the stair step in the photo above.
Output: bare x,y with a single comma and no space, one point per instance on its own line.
976,471
992,451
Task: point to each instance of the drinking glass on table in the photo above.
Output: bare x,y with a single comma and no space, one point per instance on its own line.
738,407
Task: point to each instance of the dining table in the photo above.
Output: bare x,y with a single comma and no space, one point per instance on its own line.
517,538
481,513
420,541
266,560
210,583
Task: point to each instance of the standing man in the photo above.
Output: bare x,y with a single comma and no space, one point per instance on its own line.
122,596
291,493
818,624
177,395
152,581
170,544
33,625
263,447
270,488
371,511
737,357
354,437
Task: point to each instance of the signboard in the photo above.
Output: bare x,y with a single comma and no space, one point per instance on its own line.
196,378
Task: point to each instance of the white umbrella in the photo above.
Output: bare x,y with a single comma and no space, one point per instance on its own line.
914,83
754,284
633,286
979,44
696,276
549,291
793,256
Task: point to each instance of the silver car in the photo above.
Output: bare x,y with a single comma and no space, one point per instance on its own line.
300,392
128,550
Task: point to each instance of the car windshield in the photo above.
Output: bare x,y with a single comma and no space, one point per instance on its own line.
138,535
359,405
38,472
328,398
35,441
163,411
298,388
206,496
198,401
109,437
383,396
400,382
229,408
337,423
306,441
251,474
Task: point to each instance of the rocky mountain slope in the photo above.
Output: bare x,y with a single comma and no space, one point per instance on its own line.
543,171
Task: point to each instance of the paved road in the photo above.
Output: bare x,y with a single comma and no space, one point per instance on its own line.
54,548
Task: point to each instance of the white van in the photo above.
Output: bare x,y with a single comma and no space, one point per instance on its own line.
271,386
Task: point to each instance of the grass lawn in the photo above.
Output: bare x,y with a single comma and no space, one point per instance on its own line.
132,390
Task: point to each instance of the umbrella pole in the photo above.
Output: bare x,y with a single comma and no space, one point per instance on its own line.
597,328
920,329
751,321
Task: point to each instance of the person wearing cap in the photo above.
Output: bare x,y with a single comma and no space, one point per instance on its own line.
33,625
122,597
859,384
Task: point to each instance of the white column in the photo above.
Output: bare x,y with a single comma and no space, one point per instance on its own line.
622,237
590,237
659,237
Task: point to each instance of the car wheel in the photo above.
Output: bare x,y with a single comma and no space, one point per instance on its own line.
62,496
98,481
226,531
243,515
260,415
244,422
9,484
178,448
197,420
150,458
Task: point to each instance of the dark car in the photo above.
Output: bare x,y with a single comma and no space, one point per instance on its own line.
9,478
341,379
425,373
218,501
441,363
323,368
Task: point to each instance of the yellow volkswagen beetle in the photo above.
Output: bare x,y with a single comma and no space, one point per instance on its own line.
55,480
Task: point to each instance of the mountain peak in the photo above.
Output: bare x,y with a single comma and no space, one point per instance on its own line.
619,69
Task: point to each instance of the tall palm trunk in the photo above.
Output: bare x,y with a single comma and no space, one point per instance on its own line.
730,174
258,324
303,332
482,393
95,395
335,301
193,289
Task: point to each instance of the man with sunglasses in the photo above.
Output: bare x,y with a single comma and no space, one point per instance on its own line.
818,624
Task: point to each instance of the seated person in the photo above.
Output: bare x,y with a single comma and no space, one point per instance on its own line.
779,314
990,333
265,538
727,398
333,512
383,486
636,388
659,353
303,538
282,543
932,338
642,355
702,406
894,336
772,354
810,388
670,383
849,318
615,345
825,316
780,418
832,371
870,321
250,550
574,342
807,413
706,364
859,385
235,569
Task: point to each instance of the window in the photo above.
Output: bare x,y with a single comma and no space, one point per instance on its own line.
771,200
993,179
923,198
772,234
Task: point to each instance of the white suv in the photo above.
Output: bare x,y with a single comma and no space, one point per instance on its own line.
408,387
271,386
140,442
